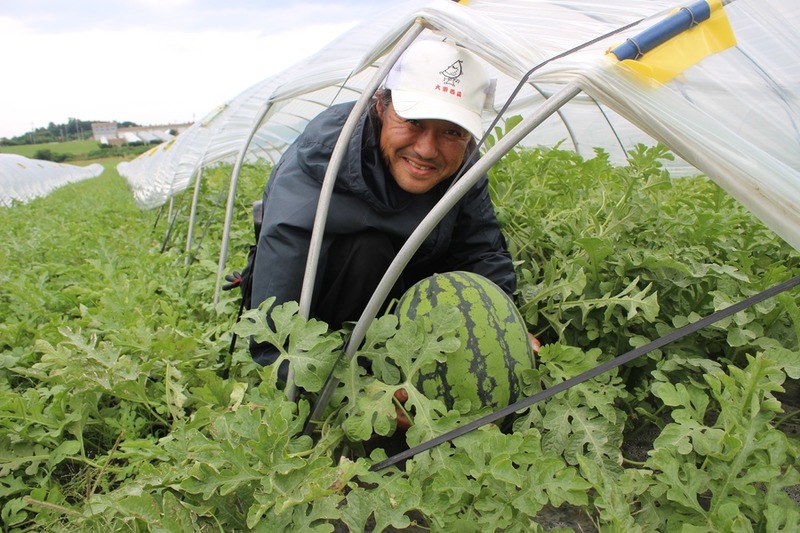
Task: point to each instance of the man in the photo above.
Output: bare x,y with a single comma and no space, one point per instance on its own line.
404,154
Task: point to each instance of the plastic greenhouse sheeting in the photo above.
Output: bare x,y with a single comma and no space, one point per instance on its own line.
23,179
733,115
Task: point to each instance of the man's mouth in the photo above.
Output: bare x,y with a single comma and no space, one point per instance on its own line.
419,166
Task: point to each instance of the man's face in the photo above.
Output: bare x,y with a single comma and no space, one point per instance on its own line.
420,153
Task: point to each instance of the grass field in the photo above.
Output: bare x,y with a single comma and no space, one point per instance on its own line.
74,148
77,152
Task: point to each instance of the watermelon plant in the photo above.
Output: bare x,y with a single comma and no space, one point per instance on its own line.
115,415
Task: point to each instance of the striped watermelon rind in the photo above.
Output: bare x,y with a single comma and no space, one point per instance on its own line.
495,348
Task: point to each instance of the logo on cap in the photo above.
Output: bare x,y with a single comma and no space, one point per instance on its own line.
452,73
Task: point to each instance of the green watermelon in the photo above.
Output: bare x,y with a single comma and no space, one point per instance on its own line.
495,347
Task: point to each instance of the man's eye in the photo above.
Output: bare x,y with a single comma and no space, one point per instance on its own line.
413,122
457,133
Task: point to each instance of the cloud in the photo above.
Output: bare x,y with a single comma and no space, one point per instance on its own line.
56,16
113,66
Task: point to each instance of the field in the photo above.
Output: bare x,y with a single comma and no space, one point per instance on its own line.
121,408
69,147
76,152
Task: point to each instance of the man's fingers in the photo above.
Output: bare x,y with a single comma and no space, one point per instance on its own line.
535,344
403,422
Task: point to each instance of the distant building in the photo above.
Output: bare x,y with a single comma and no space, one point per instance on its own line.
104,130
110,133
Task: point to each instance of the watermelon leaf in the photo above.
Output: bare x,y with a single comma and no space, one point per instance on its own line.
725,467
420,344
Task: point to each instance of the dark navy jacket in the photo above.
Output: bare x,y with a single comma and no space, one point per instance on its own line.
366,197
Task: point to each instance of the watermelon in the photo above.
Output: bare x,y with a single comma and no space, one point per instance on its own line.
495,347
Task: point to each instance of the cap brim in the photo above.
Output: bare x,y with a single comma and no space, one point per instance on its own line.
410,105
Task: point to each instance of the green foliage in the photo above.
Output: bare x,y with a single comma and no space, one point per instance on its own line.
71,149
635,254
115,416
74,151
722,460
48,155
128,150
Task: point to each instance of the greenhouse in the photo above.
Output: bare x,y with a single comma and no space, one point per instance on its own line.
731,113
23,179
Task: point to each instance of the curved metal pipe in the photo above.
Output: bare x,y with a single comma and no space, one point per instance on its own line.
331,172
226,230
198,178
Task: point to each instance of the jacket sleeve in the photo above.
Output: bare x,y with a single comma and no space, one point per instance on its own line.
289,207
478,244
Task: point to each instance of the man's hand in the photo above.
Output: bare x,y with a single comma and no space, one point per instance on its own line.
234,280
400,397
535,344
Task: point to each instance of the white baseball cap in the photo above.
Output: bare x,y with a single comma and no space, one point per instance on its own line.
436,79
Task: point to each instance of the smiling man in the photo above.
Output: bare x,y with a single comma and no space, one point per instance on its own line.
405,153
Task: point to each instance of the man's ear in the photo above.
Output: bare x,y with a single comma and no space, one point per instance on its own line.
379,107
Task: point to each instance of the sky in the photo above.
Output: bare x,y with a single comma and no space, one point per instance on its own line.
152,61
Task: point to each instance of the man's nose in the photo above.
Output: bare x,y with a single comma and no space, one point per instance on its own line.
426,143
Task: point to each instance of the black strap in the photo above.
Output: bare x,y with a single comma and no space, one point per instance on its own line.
589,374
226,365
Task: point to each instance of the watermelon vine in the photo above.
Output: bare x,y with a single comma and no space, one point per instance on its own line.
114,415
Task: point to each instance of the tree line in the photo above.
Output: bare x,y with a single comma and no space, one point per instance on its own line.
72,130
